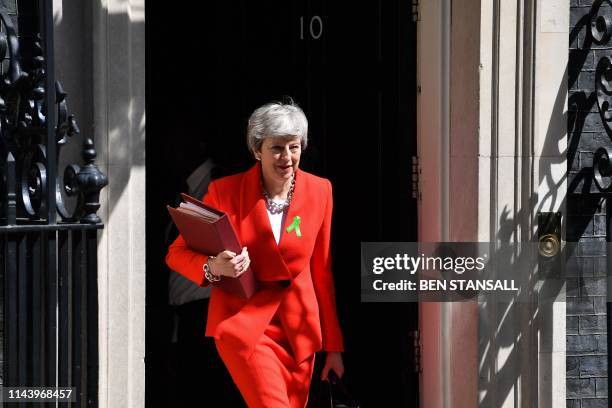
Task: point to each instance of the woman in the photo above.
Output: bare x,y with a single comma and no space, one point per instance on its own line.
282,216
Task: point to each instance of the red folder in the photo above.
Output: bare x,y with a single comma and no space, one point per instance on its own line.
210,238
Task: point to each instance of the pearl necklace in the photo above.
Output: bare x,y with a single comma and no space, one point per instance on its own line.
277,208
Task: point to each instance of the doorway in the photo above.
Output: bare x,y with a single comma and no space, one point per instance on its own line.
352,68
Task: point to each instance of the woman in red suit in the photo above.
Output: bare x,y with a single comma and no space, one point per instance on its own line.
282,215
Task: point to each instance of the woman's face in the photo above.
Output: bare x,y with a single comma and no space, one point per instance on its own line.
280,157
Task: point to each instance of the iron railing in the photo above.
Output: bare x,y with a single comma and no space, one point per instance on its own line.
48,221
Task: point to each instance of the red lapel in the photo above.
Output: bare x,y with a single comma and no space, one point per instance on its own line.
287,259
293,248
266,259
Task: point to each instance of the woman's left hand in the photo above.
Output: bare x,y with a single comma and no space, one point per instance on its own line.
333,361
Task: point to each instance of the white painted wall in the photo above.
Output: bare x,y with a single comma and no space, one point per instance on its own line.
100,57
119,117
550,173
515,168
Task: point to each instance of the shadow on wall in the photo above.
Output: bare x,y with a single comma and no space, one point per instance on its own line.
123,119
99,61
586,364
528,326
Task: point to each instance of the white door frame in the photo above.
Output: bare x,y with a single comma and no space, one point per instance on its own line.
488,100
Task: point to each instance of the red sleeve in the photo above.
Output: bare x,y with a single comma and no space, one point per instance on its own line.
323,280
185,261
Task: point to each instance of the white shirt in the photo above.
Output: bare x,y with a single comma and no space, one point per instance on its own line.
276,221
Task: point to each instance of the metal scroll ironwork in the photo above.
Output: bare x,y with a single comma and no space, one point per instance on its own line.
25,162
48,247
601,32
601,24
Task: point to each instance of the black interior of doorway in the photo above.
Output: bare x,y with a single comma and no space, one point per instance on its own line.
352,67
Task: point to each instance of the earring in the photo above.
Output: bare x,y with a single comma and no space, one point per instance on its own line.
257,157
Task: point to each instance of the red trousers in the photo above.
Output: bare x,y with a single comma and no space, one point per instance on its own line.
270,378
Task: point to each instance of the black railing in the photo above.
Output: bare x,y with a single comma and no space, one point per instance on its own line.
51,307
48,221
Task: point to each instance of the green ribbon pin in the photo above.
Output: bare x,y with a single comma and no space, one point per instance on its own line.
295,225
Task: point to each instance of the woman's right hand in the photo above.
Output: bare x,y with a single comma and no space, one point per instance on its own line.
227,263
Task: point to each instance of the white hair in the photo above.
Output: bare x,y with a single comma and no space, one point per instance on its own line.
276,119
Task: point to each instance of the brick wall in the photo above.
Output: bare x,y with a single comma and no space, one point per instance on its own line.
587,383
587,371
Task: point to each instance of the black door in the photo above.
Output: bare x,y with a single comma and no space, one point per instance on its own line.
352,68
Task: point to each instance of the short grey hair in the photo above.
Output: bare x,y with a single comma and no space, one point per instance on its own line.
276,119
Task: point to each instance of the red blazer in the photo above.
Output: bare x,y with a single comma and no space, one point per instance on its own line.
307,306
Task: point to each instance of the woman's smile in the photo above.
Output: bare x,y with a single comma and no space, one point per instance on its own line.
285,168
